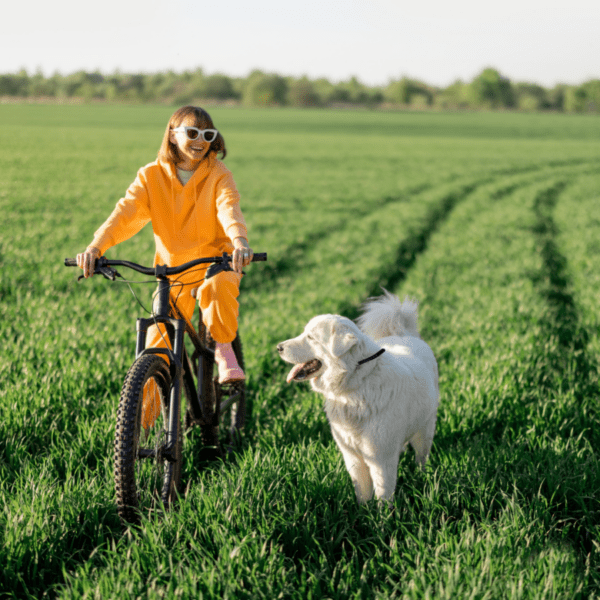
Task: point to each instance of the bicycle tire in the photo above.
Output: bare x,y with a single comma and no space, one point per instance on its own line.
144,479
240,410
210,424
233,421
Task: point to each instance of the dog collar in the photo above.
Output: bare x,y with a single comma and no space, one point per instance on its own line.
376,355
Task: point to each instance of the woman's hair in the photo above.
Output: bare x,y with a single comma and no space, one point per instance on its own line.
168,151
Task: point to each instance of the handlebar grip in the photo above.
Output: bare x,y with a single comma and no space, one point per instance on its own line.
70,262
259,257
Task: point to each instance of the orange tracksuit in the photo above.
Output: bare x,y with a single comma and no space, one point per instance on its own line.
192,221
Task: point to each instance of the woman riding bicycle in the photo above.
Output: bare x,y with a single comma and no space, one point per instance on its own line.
192,201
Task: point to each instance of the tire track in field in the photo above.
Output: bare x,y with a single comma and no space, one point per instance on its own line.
569,368
409,250
391,276
416,243
291,256
395,270
563,320
553,282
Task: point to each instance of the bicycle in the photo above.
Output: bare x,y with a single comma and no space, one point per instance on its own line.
150,420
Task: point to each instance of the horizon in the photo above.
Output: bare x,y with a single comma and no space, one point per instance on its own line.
107,74
376,41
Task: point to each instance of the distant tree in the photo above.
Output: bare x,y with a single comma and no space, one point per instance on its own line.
220,87
575,99
153,85
133,87
375,97
238,84
264,89
82,84
359,93
491,90
408,91
15,84
592,93
323,88
353,92
399,92
556,97
163,86
531,97
339,94
301,93
39,86
455,96
189,87
583,98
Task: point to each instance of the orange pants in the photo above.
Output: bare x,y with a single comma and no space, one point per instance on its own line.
217,298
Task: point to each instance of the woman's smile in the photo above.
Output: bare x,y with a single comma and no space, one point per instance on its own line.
191,152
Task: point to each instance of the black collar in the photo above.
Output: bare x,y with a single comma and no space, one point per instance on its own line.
376,355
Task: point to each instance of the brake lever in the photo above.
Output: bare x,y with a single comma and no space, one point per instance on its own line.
217,268
224,265
106,272
109,273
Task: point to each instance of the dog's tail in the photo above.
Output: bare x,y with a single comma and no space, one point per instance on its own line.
388,316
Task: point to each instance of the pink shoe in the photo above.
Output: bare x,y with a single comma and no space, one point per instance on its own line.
229,369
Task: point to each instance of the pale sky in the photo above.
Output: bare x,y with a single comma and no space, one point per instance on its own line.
436,41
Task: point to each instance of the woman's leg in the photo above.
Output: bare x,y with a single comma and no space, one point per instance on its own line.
217,297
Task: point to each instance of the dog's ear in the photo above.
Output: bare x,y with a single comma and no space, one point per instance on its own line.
341,342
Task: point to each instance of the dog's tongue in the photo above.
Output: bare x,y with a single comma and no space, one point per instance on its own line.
292,374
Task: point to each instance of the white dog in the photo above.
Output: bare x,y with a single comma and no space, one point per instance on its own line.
380,383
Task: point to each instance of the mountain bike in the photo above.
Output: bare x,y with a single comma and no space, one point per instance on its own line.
166,392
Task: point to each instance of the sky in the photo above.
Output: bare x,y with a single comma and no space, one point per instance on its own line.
436,41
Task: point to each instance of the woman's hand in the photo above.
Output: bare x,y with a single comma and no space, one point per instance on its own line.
87,261
242,254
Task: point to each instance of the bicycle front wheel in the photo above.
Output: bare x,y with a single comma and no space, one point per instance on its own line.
147,472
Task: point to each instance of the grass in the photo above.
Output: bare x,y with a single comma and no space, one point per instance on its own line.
488,219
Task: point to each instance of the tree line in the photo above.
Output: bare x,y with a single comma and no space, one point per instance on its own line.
488,90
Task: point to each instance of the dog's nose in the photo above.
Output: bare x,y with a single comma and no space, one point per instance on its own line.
280,348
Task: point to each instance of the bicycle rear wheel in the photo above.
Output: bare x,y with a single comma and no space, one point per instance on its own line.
232,403
144,478
235,416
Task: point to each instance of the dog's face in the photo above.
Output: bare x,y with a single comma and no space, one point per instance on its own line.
324,341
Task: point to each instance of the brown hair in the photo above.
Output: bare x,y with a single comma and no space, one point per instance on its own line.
168,151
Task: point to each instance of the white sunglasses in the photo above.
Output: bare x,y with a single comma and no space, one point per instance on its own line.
193,133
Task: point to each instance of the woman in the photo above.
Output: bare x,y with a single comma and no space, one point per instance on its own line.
191,200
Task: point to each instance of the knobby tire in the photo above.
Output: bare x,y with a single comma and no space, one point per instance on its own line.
236,417
144,484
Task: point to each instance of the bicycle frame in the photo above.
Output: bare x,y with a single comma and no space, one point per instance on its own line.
179,362
180,365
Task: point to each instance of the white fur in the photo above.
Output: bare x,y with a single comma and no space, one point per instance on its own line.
374,409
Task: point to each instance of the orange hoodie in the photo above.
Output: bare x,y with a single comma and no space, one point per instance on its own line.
201,218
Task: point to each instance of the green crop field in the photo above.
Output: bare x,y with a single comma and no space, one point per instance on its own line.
490,219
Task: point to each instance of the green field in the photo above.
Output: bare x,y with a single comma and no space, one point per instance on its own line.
491,220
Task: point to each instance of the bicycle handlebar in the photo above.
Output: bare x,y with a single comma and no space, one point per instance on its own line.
162,270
